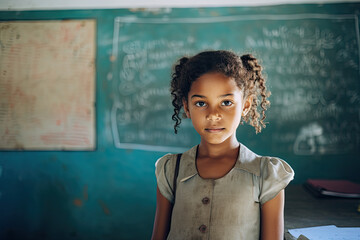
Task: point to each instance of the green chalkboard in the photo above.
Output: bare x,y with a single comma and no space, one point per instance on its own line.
311,62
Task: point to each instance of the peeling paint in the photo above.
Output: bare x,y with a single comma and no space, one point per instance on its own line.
85,193
78,202
112,58
214,14
104,207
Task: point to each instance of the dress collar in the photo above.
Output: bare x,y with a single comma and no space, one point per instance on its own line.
246,161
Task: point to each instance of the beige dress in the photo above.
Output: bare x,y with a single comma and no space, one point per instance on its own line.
224,208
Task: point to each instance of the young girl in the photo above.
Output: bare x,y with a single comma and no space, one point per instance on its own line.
223,190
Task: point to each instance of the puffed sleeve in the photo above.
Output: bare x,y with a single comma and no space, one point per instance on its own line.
275,176
164,171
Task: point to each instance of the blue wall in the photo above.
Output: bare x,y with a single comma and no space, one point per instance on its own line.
106,194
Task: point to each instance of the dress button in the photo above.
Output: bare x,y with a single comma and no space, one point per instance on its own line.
205,200
202,228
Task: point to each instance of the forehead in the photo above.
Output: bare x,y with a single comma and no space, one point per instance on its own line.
214,82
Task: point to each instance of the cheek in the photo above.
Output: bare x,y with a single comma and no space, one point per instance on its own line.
235,116
198,119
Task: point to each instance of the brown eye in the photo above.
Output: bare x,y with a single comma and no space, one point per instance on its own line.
227,103
200,104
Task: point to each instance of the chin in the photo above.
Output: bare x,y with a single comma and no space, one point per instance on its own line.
215,141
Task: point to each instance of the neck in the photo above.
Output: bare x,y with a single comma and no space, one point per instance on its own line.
228,147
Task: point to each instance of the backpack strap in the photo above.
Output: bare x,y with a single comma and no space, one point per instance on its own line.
176,173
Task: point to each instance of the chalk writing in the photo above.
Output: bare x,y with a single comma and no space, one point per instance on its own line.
312,67
312,139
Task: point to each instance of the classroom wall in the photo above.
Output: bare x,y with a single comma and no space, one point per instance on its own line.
109,193
93,4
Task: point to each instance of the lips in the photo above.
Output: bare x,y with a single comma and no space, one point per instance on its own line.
214,129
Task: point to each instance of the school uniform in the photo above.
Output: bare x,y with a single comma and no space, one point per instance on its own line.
223,208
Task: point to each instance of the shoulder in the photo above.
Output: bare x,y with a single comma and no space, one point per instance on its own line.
164,159
271,174
165,162
276,174
276,167
164,173
262,165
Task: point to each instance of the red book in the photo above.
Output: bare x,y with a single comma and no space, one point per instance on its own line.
335,188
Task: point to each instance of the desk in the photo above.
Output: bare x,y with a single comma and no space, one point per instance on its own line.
302,209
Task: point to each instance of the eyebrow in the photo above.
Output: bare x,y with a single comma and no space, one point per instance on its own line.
201,96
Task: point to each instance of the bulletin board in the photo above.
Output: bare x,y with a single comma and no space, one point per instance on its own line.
47,85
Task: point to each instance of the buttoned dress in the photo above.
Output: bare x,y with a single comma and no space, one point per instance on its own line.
223,208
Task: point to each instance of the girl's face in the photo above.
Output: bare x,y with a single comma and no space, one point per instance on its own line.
215,105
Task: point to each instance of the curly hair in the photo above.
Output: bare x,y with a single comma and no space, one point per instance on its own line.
245,70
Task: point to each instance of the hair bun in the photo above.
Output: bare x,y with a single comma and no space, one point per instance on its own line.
250,62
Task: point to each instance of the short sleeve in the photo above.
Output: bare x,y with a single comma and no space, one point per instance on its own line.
275,176
164,171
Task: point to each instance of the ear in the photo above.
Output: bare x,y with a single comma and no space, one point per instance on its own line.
186,108
247,106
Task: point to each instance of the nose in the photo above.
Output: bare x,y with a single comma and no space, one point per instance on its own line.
213,116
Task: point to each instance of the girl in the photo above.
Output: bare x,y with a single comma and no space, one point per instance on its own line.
223,190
